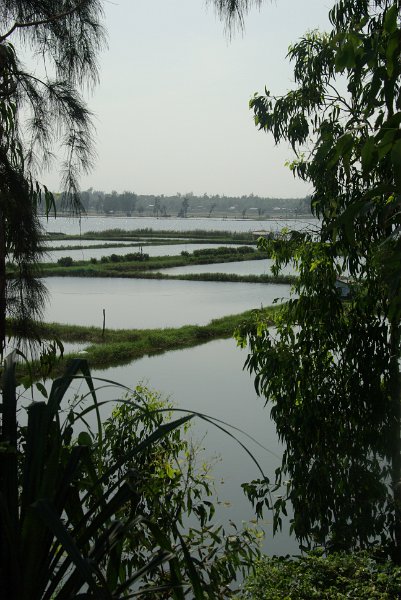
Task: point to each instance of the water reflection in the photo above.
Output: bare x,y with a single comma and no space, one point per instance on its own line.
210,379
144,304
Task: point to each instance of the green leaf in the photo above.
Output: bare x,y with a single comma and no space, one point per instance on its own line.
41,388
56,526
396,154
345,57
392,53
85,439
396,160
368,155
390,19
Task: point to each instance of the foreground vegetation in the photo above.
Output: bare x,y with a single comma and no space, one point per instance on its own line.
315,577
119,508
328,368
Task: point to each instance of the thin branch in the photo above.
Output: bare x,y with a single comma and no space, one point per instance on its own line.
61,15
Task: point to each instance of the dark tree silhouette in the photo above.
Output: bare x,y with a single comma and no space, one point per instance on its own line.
38,115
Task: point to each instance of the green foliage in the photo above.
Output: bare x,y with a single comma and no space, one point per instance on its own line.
67,37
65,261
117,513
223,250
140,265
335,577
331,369
177,495
117,258
330,375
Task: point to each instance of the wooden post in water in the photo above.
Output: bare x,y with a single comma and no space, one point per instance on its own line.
104,322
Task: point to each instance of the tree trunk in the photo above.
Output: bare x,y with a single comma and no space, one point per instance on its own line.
3,301
395,391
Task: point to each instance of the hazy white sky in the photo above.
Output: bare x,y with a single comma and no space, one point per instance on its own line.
171,110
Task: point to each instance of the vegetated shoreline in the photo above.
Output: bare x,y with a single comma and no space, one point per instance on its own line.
217,277
149,268
118,347
138,235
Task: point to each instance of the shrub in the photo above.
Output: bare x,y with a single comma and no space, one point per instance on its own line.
164,471
136,256
222,250
115,513
315,577
245,250
65,261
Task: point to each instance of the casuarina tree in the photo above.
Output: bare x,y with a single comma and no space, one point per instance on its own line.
41,112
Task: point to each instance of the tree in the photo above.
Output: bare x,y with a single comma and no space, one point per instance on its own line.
127,202
36,111
331,371
156,207
110,204
184,208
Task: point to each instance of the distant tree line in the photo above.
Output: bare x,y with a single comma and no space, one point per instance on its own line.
189,205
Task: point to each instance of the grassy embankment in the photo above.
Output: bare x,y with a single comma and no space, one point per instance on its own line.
140,266
118,347
113,238
121,346
198,236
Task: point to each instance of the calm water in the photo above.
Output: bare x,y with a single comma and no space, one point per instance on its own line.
246,267
210,379
74,226
207,378
136,303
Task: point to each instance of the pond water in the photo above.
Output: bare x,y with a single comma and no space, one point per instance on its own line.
74,226
156,250
210,379
146,303
246,267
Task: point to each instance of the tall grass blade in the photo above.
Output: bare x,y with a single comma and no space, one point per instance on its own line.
85,569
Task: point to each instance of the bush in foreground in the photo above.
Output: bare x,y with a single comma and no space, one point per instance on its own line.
110,509
335,577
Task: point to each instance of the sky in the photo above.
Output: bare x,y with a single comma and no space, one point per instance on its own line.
171,108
